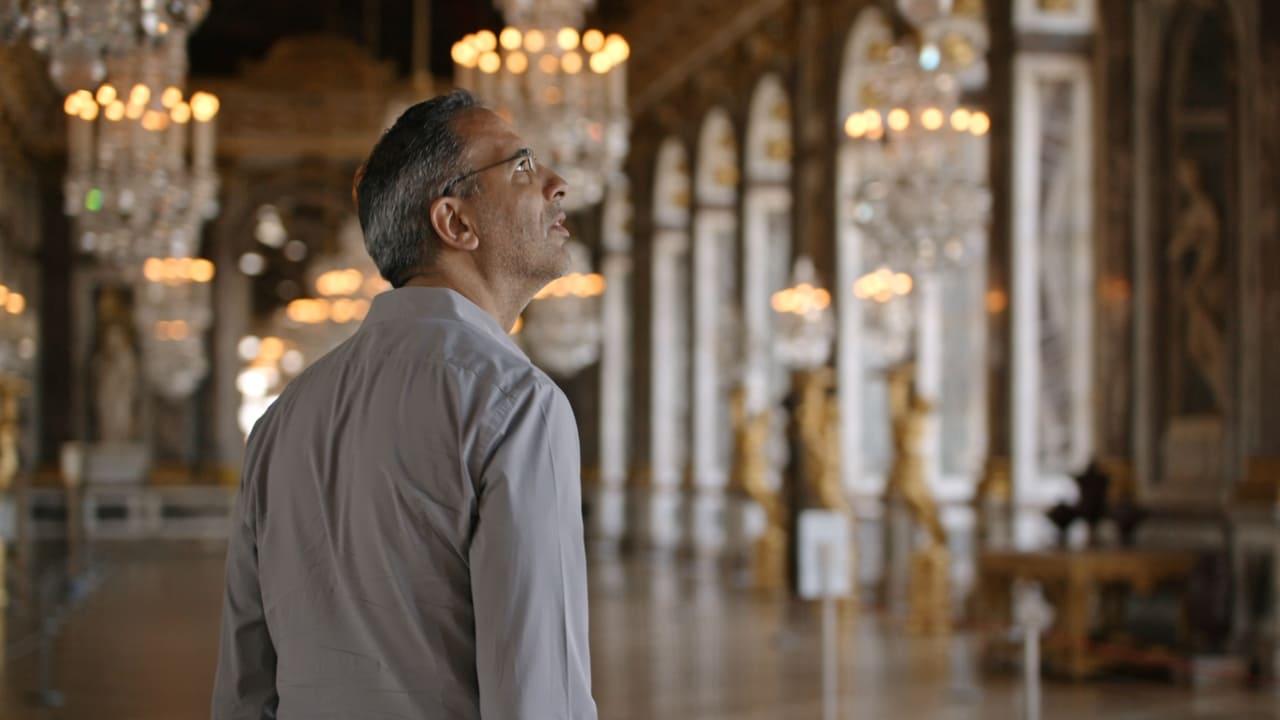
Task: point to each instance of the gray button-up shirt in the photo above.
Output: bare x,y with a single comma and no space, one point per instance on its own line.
408,534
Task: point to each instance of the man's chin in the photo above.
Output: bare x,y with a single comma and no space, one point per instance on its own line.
556,267
561,244
562,262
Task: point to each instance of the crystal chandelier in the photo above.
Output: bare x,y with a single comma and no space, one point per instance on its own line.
562,326
271,362
82,38
922,196
17,330
888,318
141,179
123,64
343,285
173,311
564,89
803,314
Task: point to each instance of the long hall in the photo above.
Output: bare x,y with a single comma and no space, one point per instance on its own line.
920,354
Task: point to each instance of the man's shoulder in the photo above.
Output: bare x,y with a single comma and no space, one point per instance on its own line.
458,350
474,362
470,351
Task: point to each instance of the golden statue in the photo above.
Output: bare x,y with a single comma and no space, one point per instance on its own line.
750,477
930,598
818,419
11,389
818,422
991,501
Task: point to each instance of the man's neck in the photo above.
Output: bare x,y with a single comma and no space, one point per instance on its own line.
503,310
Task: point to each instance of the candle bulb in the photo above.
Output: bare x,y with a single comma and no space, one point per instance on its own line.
204,109
176,152
617,79
464,77
80,142
202,147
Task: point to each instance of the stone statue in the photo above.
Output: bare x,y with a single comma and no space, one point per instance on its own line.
930,594
750,477
1198,235
115,374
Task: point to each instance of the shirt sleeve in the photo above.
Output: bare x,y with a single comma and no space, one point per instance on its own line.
528,568
244,686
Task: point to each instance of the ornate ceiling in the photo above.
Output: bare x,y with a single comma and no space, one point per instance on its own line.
237,31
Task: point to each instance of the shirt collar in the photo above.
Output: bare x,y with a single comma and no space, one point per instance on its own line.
411,303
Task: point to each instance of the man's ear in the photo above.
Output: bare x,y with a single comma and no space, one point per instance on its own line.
452,223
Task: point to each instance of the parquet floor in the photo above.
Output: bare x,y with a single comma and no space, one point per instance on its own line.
669,641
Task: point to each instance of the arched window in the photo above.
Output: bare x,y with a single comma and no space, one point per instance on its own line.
669,344
767,246
716,323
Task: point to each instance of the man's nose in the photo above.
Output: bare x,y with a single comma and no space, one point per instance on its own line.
555,186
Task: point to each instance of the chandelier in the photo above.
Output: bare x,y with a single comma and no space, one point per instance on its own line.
17,330
805,326
565,89
140,177
272,362
922,196
887,319
123,64
141,180
83,38
343,285
173,311
562,326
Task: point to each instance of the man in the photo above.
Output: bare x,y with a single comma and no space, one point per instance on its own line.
408,534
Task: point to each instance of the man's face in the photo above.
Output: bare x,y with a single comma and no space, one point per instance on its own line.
517,206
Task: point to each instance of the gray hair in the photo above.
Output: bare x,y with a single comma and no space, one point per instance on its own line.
407,170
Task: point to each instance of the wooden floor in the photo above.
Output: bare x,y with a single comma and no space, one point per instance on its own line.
669,640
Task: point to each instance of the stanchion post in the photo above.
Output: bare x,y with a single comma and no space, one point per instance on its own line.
1032,615
830,648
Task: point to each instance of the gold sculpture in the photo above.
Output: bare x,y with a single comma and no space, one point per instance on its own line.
930,598
992,498
11,389
750,478
818,422
818,417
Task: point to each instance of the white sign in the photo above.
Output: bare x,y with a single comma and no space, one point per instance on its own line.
824,554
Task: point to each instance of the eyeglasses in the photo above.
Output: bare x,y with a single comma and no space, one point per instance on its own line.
522,153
